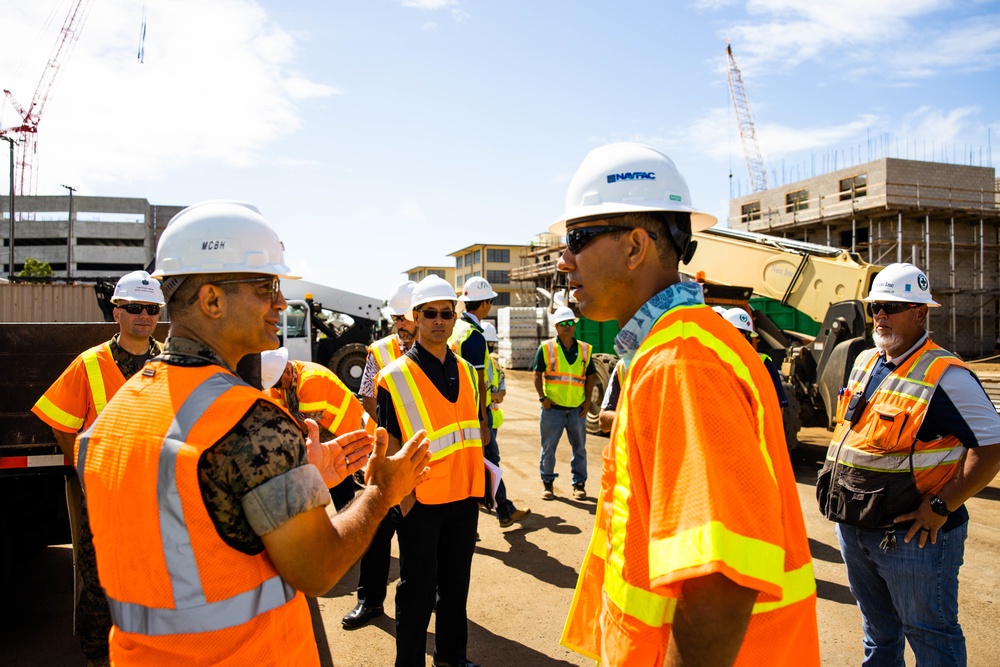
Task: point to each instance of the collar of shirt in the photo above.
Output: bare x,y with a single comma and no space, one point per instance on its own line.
472,319
187,352
636,329
422,356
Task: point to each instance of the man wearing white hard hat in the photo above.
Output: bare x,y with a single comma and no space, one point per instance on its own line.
700,554
373,571
564,379
71,404
208,505
915,438
741,319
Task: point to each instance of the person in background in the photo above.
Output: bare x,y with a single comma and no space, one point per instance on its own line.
609,405
740,319
467,338
70,406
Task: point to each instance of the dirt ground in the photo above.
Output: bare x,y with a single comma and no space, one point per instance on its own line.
523,576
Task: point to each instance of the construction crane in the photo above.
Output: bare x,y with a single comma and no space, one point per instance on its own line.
748,131
26,165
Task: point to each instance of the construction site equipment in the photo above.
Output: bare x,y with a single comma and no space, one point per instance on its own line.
748,129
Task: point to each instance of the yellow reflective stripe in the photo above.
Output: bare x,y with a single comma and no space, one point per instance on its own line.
95,378
713,542
53,412
797,585
652,609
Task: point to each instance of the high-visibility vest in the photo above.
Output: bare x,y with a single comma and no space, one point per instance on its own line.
564,383
456,469
385,350
696,480
463,330
320,390
494,376
880,453
178,594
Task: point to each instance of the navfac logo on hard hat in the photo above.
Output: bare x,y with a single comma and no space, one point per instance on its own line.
632,176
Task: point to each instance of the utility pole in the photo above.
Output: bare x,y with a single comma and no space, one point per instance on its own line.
69,235
10,239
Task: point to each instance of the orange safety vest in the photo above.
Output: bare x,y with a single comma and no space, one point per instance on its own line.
385,350
564,383
178,594
696,480
320,390
876,468
75,399
457,467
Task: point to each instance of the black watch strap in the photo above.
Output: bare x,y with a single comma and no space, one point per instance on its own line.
939,506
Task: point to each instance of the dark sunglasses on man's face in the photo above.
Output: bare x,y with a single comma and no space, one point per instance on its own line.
579,237
398,319
137,308
432,314
889,307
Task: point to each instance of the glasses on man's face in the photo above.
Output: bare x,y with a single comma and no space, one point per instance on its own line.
433,314
889,307
578,238
567,323
267,288
137,308
398,319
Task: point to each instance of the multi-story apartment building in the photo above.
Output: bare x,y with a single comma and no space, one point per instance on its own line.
493,262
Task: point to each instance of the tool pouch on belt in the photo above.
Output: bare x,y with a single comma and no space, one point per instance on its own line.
863,497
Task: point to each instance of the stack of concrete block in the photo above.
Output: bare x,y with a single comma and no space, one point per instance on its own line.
518,331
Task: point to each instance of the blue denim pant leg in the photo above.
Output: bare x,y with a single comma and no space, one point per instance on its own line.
576,429
492,453
909,592
551,423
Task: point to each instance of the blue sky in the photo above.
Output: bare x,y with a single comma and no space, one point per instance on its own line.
379,135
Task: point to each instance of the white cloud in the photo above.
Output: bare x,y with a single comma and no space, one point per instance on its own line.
430,4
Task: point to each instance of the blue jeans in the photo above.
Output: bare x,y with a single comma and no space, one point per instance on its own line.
492,453
552,424
907,591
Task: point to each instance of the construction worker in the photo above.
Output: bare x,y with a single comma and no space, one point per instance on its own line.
209,521
432,388
564,379
373,571
609,405
699,554
916,437
312,391
496,389
467,338
740,319
69,406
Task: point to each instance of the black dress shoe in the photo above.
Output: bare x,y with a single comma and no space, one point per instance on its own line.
360,616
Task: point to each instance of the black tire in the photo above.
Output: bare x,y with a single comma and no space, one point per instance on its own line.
349,364
791,417
603,367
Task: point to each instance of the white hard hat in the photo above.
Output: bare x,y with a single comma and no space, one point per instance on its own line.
272,365
740,319
721,310
220,237
399,300
628,178
490,333
477,289
563,314
432,288
901,282
138,286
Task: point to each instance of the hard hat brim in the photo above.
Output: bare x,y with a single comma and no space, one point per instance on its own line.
700,221
892,297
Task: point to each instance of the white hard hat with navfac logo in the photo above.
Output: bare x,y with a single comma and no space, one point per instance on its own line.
901,282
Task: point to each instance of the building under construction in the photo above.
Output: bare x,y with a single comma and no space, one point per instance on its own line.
944,218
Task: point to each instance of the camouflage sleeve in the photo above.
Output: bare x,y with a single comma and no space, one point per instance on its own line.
368,377
263,446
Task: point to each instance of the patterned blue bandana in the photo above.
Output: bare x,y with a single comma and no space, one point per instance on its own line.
635,331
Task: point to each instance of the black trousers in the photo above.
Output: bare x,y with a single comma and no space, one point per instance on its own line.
373,572
343,493
436,543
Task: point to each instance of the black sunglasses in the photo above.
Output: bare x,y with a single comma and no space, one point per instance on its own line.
398,319
269,291
889,307
432,314
137,308
578,238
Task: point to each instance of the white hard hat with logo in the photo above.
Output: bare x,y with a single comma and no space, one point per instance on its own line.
628,178
399,300
432,288
901,282
721,310
477,289
138,286
490,333
740,319
220,237
563,314
272,365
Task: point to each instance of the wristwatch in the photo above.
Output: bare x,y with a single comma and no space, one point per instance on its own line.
939,506
541,399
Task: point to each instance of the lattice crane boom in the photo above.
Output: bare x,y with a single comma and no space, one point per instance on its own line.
748,131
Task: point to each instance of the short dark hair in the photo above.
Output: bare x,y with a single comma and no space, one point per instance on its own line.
666,225
473,305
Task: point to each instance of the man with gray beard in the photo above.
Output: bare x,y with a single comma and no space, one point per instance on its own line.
913,442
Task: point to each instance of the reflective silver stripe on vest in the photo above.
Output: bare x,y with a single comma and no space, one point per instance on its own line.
416,421
923,364
192,612
571,379
453,438
924,460
903,386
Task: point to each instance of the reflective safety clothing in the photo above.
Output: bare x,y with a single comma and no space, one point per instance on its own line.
178,593
320,390
876,468
385,350
494,375
461,333
564,383
73,401
457,468
696,480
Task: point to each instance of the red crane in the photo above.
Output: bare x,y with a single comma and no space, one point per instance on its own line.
26,167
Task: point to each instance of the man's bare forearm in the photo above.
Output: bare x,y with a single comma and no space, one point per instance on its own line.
710,622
